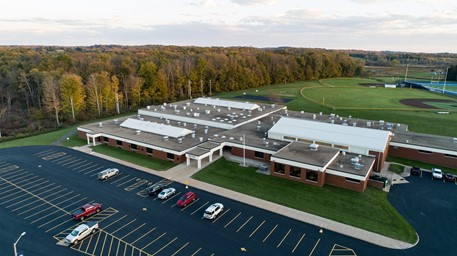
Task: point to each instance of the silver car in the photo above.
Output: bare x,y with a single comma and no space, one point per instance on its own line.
166,193
108,173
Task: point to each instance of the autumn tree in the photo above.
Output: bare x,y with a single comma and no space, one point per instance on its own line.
72,94
51,96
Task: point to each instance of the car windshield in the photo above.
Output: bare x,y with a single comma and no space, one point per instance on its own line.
74,233
183,198
163,192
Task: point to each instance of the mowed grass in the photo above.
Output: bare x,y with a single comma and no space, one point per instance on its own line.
132,157
386,101
41,139
369,210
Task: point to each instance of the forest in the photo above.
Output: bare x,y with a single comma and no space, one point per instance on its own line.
43,88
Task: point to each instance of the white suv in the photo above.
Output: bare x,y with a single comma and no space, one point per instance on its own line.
213,210
437,173
105,174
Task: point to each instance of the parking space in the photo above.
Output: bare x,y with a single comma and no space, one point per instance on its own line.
134,223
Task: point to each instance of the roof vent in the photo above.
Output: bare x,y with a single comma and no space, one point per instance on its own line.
218,110
115,121
343,153
368,124
354,124
193,135
148,107
167,121
100,124
180,140
355,160
314,116
187,103
164,104
313,147
454,140
206,131
207,111
165,138
195,125
200,139
138,132
229,108
320,113
179,123
258,127
184,107
273,105
184,124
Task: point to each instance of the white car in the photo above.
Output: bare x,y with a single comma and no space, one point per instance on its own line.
166,193
213,210
437,173
80,232
108,173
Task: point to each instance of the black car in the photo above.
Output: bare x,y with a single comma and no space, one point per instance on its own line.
449,177
415,171
155,189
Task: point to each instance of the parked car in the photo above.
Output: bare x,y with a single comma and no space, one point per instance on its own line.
437,173
155,189
213,210
81,232
186,199
449,177
86,210
166,193
415,171
108,173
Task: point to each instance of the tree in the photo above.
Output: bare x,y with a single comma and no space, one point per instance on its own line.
51,99
72,94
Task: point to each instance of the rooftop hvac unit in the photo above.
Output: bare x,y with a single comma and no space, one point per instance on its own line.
200,139
358,166
223,136
216,135
331,115
187,113
314,116
167,121
258,127
115,121
165,138
273,105
332,121
184,124
180,140
193,135
206,131
343,153
138,132
241,138
313,147
187,103
218,110
207,111
148,107
184,107
177,111
179,123
164,104
355,160
454,140
139,116
368,124
267,143
350,117
100,124
195,125
229,108
155,109
354,124
381,122
320,113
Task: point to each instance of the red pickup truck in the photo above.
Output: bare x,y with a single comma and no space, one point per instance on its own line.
86,210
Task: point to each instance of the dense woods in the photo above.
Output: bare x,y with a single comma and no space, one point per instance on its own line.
44,87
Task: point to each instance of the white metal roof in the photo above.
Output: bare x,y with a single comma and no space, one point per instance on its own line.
156,128
356,137
227,103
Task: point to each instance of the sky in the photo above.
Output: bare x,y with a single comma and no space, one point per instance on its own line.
395,25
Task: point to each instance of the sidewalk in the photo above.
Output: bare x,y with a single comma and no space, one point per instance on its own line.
182,173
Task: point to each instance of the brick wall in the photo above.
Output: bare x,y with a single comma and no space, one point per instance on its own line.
320,178
341,182
432,158
250,154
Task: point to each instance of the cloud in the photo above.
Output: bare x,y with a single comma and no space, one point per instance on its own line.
253,2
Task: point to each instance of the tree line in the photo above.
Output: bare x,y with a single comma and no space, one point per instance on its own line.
45,87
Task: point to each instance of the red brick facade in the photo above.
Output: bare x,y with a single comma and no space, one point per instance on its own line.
250,154
339,181
424,156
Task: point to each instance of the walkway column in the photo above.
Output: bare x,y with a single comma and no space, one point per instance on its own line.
93,140
187,161
220,151
199,163
88,141
211,157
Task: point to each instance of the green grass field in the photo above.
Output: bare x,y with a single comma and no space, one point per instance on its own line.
362,102
369,210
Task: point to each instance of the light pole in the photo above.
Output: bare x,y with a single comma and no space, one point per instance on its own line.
445,78
14,245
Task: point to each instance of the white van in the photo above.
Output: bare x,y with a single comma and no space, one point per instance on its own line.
105,174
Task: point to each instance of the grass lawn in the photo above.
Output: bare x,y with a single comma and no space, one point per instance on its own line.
369,210
74,141
418,120
396,168
42,139
132,157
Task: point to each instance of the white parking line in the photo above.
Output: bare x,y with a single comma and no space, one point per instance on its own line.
253,232
244,224
283,238
226,225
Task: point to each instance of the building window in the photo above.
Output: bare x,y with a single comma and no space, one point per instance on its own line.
324,144
290,138
425,152
295,171
258,154
280,168
105,139
133,146
452,156
171,156
149,151
341,147
119,142
352,180
305,140
312,175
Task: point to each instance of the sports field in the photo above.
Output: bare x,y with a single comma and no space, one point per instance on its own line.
346,96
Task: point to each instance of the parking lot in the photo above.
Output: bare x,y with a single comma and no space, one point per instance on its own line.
41,186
